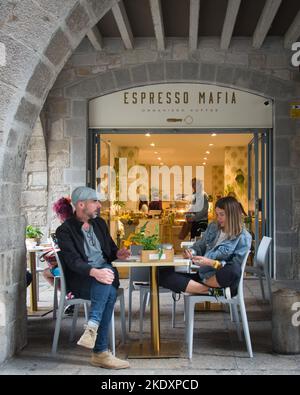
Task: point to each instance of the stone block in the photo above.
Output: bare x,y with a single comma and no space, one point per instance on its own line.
208,72
225,74
84,59
237,59
106,82
12,138
78,154
282,108
58,48
283,204
286,127
123,78
37,217
40,81
56,129
36,143
280,89
10,196
57,7
278,60
38,198
61,160
75,127
55,176
57,147
58,106
283,152
287,239
65,77
19,17
75,176
156,72
284,269
211,55
39,178
38,155
79,108
139,74
296,194
8,97
85,89
242,78
173,71
181,51
257,60
190,71
295,159
27,112
78,20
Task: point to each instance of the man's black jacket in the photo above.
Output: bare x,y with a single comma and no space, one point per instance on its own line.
75,262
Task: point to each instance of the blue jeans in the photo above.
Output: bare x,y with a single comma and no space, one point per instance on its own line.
103,299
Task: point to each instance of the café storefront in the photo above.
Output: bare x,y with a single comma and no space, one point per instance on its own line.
228,130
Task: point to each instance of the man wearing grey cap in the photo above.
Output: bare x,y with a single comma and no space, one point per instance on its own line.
87,250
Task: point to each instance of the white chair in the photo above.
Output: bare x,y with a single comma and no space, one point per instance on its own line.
236,302
63,303
261,268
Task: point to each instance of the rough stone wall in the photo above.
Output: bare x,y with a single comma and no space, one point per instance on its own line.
35,181
39,36
266,71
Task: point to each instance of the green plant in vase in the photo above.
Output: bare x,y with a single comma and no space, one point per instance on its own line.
149,243
33,235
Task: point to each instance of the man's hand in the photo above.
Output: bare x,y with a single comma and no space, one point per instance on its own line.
123,253
104,276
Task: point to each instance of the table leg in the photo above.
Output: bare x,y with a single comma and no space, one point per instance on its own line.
33,293
155,348
155,317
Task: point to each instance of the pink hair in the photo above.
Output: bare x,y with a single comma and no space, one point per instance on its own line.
63,208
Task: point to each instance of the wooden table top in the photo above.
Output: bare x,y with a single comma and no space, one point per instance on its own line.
134,261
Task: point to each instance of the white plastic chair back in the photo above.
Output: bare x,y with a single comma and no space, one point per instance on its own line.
262,252
243,267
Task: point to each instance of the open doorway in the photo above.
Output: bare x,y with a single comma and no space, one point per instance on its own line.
231,162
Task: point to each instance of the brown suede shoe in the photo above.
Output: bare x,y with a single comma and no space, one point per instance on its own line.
88,338
108,361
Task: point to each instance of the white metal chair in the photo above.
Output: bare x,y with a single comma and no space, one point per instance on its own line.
63,303
261,268
236,302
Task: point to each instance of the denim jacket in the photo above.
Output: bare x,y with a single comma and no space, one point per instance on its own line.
230,251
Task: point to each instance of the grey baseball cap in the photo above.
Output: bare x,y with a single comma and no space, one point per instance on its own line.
84,193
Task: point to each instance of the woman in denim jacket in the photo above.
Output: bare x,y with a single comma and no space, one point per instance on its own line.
219,254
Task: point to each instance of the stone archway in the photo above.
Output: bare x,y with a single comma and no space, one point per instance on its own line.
286,153
39,38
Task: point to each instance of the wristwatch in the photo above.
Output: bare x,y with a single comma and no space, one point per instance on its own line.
217,265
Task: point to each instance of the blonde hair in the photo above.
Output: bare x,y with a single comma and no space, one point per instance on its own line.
234,218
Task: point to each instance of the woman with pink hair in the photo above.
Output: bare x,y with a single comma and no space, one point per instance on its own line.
63,210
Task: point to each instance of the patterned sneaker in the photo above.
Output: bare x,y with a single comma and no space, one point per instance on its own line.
108,361
88,338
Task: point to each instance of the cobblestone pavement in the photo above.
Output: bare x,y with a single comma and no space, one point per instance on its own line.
216,347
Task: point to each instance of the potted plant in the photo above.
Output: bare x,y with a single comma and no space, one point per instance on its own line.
33,236
152,250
